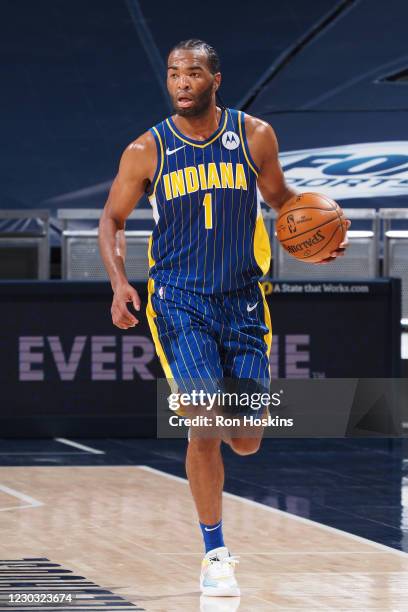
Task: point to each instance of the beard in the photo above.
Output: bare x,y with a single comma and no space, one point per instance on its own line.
200,107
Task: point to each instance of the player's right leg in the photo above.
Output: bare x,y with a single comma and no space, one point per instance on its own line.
184,341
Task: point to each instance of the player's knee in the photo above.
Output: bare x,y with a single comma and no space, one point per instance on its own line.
245,446
204,445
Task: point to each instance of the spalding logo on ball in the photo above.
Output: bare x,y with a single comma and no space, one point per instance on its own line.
310,226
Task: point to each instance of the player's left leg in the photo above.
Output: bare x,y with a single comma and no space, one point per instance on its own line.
246,345
245,336
184,327
245,446
205,471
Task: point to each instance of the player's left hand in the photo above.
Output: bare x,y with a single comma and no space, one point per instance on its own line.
340,251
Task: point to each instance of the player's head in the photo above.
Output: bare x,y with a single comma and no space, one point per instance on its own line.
193,77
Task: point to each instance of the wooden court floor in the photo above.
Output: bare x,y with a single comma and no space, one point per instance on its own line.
133,531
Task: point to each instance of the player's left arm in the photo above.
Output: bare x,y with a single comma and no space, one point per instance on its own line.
263,146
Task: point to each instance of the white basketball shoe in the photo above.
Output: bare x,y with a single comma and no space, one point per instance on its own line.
217,574
219,604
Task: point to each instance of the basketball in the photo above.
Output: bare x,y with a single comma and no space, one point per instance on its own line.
310,226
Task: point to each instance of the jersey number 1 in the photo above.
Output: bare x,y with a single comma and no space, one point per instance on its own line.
207,203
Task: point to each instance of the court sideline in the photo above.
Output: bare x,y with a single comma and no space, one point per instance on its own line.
91,508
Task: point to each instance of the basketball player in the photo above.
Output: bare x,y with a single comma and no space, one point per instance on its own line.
206,308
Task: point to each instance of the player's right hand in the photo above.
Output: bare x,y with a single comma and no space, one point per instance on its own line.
121,316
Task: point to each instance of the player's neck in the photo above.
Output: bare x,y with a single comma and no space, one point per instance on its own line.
199,128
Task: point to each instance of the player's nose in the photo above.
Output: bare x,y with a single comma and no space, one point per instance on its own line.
184,83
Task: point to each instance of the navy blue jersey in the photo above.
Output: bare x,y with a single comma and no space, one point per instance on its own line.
209,235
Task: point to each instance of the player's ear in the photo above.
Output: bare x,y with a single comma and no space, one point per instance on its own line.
217,81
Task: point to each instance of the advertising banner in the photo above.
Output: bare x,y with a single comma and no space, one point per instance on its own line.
66,370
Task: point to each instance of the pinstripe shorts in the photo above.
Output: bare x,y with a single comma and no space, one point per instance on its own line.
203,339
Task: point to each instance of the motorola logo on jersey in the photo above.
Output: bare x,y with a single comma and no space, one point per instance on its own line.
230,140
360,170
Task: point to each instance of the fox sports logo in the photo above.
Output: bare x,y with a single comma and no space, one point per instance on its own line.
350,171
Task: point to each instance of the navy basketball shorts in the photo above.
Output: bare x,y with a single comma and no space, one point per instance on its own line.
201,340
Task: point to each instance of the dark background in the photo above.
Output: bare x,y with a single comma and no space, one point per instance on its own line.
80,80
361,339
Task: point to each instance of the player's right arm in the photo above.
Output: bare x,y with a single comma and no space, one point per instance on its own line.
136,170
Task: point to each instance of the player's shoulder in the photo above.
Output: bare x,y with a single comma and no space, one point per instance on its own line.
147,143
141,145
255,125
261,138
140,152
139,156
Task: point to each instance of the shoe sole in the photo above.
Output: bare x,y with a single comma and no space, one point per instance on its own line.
221,592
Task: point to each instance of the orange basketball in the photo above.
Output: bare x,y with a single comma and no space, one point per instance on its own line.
310,226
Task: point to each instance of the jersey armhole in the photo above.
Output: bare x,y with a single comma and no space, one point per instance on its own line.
242,132
160,161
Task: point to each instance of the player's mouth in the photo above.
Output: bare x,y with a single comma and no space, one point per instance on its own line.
184,101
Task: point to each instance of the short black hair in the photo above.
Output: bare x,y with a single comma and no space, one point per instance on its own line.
196,43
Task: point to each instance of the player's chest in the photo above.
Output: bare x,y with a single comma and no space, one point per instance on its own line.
199,171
